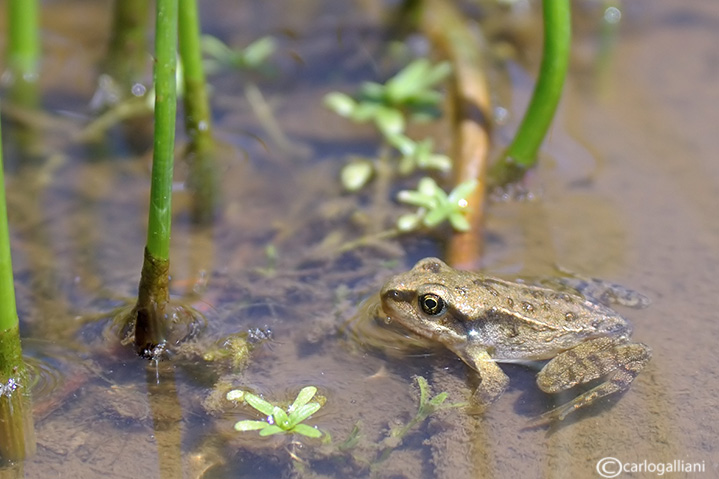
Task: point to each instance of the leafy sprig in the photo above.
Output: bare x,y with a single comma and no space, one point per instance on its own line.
436,206
279,421
220,56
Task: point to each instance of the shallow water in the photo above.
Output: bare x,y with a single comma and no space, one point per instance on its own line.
627,191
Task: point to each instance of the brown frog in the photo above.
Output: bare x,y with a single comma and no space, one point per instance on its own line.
486,321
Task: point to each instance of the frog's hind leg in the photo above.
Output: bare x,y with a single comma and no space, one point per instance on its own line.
617,360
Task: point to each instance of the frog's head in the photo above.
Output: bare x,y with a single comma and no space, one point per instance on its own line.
423,301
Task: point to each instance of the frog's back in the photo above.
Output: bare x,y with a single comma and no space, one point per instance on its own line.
519,321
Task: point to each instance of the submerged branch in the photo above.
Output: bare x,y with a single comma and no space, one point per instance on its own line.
445,25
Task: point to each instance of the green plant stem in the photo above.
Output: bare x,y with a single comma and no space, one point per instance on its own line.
8,310
158,233
198,118
522,153
150,311
23,44
23,51
127,51
16,432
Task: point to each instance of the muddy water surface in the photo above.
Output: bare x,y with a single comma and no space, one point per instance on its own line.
628,191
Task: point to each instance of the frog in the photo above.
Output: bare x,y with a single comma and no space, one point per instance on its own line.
486,320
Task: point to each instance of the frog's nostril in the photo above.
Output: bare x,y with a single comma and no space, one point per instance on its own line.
394,295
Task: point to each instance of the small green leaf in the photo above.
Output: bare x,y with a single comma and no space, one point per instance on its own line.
303,412
408,81
365,111
462,191
438,399
423,389
389,121
436,162
306,430
416,198
281,418
438,73
372,91
260,404
303,397
405,145
340,103
427,186
257,52
408,222
214,47
356,174
459,222
248,425
271,429
435,217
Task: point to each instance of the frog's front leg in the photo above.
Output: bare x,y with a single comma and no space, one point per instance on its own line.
614,358
493,381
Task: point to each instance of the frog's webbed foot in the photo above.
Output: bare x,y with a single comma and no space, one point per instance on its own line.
620,362
493,381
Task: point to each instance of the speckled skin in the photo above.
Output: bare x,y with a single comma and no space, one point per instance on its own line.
486,320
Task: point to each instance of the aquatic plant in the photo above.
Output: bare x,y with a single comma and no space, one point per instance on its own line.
23,51
410,93
522,152
279,421
253,57
436,206
427,406
202,181
150,311
127,57
17,439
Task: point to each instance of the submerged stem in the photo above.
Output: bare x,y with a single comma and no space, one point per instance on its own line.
127,54
202,180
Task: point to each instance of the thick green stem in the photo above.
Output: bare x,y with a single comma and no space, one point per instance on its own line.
8,310
127,52
150,311
23,51
17,439
198,118
23,44
158,232
522,153
17,436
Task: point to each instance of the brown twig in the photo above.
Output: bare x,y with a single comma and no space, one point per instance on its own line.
471,107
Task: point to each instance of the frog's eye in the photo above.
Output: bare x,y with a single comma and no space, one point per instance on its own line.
431,304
